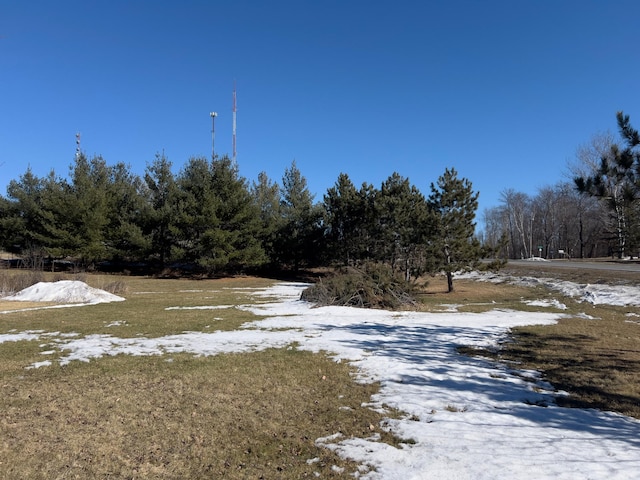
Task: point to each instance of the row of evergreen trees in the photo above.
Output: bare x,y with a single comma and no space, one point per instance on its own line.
209,217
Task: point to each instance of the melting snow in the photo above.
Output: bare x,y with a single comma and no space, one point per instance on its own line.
64,291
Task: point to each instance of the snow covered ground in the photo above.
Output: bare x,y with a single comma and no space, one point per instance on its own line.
468,418
64,291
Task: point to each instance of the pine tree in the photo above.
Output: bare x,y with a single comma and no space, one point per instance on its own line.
401,215
266,198
36,219
126,211
218,222
8,224
57,204
234,245
299,235
160,222
41,219
452,245
197,220
24,216
344,218
88,212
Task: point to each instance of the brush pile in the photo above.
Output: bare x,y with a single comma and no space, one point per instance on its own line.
372,285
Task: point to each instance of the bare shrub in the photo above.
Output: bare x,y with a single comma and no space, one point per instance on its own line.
373,285
117,287
81,277
13,282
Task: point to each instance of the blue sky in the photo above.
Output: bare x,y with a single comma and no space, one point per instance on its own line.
502,91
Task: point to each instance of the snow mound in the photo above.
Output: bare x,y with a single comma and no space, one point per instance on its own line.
64,291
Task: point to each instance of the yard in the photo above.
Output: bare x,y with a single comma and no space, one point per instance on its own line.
234,378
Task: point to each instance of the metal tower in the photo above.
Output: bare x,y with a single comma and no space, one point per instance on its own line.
234,124
77,145
213,116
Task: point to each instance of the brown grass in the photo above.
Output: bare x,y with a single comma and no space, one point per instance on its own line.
471,296
595,360
252,415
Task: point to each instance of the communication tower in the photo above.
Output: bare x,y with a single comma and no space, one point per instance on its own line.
234,124
213,116
77,145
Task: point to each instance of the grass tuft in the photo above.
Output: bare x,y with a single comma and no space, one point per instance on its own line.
12,281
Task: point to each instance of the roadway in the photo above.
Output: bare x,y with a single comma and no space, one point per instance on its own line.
608,265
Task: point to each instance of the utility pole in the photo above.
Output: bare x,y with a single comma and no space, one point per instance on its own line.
213,116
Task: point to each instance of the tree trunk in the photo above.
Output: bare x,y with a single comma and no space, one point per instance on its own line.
447,255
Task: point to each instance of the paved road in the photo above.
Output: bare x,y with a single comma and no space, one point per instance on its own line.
579,264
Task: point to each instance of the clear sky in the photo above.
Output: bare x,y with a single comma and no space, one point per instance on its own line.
503,91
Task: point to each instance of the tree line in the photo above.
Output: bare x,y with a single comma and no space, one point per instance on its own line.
210,219
595,214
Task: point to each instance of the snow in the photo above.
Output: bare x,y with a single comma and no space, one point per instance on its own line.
64,291
619,295
466,418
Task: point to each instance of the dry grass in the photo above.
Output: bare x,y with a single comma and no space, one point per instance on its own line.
471,296
252,415
145,311
596,361
12,281
232,416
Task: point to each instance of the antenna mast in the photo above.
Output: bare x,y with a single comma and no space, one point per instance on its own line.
213,116
77,145
234,124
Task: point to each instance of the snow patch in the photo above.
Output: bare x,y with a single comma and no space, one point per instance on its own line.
546,303
64,291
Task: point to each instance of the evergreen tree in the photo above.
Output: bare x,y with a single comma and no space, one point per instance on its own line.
234,245
126,211
23,211
160,223
196,209
218,221
8,224
344,218
452,245
401,215
56,207
37,221
266,198
298,238
24,220
367,230
88,207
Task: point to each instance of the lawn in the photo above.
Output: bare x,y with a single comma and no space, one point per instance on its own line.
243,415
257,414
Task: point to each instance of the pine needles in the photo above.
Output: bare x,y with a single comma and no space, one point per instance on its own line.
373,285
